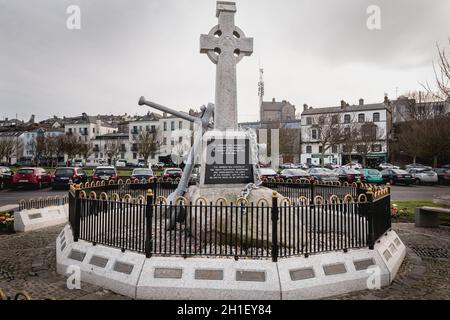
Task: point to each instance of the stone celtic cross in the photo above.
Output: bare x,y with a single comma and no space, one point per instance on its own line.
225,46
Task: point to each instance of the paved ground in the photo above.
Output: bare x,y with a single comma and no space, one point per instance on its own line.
27,262
398,193
403,193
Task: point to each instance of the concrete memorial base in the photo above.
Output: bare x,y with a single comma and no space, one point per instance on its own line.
319,276
35,219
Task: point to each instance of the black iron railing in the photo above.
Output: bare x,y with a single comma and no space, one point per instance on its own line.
39,203
136,217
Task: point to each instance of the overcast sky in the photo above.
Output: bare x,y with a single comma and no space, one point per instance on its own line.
313,51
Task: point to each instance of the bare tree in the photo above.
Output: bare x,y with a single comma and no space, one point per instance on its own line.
290,142
86,150
70,145
370,136
442,74
112,150
436,138
329,132
148,144
409,139
351,138
7,147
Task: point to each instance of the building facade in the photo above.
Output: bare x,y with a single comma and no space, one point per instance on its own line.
348,121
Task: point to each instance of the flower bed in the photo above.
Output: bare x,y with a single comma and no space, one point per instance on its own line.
6,222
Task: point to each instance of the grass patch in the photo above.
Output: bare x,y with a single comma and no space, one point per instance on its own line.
406,210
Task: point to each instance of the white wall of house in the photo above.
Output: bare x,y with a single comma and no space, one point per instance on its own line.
311,145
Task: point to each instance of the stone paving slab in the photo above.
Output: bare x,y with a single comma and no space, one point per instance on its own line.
27,262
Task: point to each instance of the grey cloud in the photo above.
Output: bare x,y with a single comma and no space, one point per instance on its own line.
316,52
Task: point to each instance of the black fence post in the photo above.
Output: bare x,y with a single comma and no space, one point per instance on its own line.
370,218
311,199
77,216
275,227
148,223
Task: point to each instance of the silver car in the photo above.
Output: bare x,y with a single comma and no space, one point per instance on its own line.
423,176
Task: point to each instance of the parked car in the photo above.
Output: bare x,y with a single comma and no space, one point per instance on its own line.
78,163
332,166
5,177
121,163
286,166
423,176
294,174
385,166
397,176
159,165
63,176
268,174
443,175
323,175
300,166
142,164
139,174
353,165
172,173
417,166
35,177
349,175
372,176
105,173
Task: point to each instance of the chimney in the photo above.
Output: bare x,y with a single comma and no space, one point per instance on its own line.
305,107
284,101
164,114
386,99
361,102
343,104
273,99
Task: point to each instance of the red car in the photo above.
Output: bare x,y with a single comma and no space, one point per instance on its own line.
349,175
34,177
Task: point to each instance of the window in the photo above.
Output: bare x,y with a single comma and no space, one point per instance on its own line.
180,125
93,130
165,126
334,149
335,119
172,125
180,139
153,128
172,142
361,118
164,140
347,118
321,120
314,134
309,121
308,149
376,148
134,155
376,117
320,149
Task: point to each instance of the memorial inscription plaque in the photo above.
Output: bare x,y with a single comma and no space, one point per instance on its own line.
229,161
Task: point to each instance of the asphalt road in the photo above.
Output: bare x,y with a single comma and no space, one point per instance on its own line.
13,197
403,193
399,193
